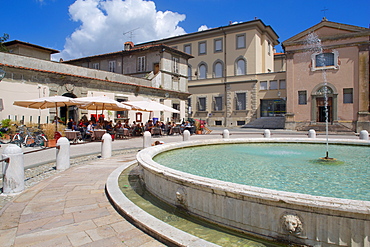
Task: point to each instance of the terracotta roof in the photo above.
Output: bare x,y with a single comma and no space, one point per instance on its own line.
133,49
15,42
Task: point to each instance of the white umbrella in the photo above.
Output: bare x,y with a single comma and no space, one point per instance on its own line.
100,103
46,102
149,106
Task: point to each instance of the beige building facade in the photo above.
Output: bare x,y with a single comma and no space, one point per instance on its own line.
232,76
162,66
333,58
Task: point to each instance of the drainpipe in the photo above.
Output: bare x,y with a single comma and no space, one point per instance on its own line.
225,78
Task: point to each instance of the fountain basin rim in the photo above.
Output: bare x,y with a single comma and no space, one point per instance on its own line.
145,221
287,199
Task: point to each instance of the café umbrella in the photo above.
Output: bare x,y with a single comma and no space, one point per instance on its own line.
100,103
149,106
45,103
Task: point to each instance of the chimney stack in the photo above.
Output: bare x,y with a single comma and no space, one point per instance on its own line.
128,46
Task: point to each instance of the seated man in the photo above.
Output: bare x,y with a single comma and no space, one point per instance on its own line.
89,130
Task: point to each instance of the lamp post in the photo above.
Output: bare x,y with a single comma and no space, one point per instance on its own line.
2,74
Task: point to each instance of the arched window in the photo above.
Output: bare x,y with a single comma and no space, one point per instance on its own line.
202,71
240,66
218,69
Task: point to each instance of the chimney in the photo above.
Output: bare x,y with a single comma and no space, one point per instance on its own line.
128,46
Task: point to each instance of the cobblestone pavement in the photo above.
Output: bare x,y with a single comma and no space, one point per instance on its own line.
70,208
37,174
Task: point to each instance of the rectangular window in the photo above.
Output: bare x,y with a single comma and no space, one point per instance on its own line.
269,47
112,66
202,104
218,122
218,45
141,64
273,85
202,47
217,103
122,114
263,85
96,66
241,101
175,61
347,95
189,106
282,84
325,59
187,49
240,41
302,97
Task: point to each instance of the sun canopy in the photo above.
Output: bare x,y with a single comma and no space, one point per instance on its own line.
149,106
100,103
45,102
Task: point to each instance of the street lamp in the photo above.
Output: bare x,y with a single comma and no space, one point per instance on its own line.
2,74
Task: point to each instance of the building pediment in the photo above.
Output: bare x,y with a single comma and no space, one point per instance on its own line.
327,30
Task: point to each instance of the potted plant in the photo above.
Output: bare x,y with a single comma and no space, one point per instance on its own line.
52,135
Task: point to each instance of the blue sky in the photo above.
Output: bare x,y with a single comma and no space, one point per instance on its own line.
87,27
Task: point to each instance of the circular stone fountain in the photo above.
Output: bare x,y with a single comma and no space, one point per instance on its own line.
271,214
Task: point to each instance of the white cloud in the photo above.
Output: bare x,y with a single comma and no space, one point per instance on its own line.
202,28
103,23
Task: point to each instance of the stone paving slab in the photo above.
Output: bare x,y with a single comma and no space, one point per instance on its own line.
70,209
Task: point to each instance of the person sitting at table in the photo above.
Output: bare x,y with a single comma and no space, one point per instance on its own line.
189,127
126,125
149,125
109,129
70,123
89,130
118,125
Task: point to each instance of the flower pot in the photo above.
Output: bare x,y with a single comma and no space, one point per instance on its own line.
51,143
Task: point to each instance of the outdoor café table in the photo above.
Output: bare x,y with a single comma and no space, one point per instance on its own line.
98,134
71,135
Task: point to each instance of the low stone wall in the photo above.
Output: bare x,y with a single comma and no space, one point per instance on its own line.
274,215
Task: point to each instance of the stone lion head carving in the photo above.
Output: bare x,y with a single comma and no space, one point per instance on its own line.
181,197
292,224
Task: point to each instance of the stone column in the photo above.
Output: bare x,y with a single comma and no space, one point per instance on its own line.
147,139
13,170
106,146
311,133
186,136
63,161
225,134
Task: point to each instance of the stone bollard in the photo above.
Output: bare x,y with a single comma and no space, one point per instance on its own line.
186,135
311,133
147,139
63,161
267,133
106,146
364,135
225,134
13,170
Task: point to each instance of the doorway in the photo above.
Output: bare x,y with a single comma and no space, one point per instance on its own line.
67,112
320,105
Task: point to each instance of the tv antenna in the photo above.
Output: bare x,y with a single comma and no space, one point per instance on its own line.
131,33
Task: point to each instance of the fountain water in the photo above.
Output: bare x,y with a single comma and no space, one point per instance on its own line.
314,45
